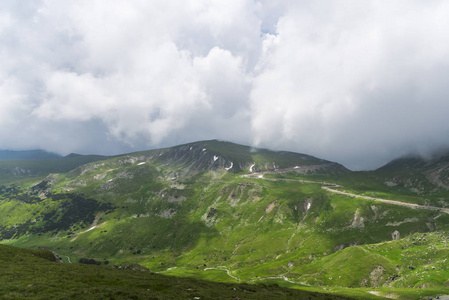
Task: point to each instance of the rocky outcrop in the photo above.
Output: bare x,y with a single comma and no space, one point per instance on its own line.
395,235
358,221
132,267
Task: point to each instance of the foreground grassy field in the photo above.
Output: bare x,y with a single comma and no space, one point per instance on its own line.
26,274
34,274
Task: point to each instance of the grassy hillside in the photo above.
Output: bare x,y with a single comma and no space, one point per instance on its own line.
183,211
21,170
33,274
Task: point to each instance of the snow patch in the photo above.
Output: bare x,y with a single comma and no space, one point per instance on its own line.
141,163
215,158
296,167
260,176
93,227
204,149
227,169
251,168
308,206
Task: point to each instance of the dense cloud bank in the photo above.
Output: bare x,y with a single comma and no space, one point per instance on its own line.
358,82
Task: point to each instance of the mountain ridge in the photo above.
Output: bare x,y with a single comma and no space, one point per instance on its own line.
213,154
27,154
182,211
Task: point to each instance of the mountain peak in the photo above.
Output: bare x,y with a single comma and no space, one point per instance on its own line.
214,154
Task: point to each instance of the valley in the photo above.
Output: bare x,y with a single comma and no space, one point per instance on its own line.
229,213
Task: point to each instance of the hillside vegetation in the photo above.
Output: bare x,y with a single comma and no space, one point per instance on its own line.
27,274
225,212
21,170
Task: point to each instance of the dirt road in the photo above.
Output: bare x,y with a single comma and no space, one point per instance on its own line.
394,202
331,187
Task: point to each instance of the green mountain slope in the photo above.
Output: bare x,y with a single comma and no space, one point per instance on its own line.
413,179
213,155
420,175
185,211
34,274
16,170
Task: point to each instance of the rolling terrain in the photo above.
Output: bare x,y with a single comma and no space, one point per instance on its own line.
32,165
35,274
230,213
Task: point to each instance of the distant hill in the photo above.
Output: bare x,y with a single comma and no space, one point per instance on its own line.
417,173
12,170
27,154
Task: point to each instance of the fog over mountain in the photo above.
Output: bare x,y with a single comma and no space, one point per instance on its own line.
357,82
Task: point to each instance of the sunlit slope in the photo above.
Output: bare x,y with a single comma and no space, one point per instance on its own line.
181,211
413,179
34,274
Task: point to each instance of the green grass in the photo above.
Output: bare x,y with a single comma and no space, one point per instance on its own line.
185,223
32,275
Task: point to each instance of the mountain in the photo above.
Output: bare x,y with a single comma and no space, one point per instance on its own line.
225,212
418,173
27,154
214,155
12,170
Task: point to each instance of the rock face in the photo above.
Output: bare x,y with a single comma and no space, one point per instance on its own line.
42,189
343,246
358,221
196,157
395,235
376,276
132,267
270,207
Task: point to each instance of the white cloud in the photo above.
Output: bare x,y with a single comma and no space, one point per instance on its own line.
348,79
357,82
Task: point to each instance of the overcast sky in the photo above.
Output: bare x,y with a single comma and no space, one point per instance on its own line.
357,82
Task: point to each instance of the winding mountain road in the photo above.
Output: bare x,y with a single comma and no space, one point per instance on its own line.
394,202
331,187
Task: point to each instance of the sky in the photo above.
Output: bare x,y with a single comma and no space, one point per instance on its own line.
356,82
